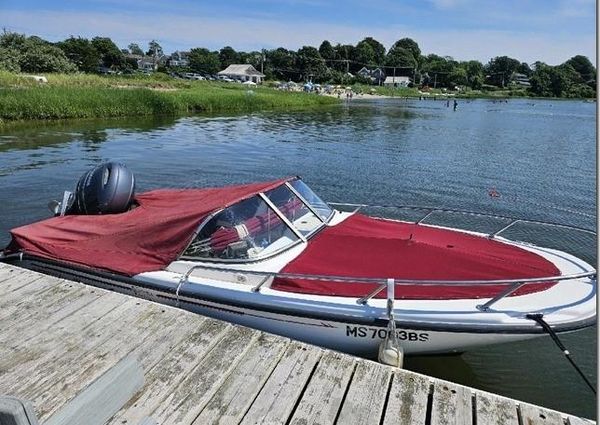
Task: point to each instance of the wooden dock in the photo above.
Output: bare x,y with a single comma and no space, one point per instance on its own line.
58,337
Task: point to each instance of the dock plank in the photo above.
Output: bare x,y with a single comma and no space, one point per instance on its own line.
163,378
277,398
451,404
237,393
366,395
197,388
21,328
45,298
20,287
407,401
9,277
495,410
324,394
32,349
535,415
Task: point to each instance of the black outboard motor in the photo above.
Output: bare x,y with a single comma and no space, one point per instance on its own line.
106,189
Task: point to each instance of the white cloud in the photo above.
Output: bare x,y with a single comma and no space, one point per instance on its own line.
183,32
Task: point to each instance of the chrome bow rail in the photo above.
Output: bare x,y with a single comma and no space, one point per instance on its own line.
390,283
429,211
383,283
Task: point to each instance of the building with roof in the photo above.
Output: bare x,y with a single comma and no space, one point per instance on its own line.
242,72
377,76
520,79
179,59
396,81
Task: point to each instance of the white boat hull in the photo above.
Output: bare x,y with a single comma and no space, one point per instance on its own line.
358,339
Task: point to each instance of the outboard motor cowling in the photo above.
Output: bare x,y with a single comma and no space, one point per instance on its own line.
106,189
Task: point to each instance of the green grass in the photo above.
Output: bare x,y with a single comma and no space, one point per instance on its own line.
91,96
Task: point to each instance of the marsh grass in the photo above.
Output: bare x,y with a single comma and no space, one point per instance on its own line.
92,96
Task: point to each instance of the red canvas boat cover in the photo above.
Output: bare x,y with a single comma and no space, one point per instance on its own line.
146,238
362,246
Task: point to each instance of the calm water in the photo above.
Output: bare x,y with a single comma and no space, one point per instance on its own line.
540,155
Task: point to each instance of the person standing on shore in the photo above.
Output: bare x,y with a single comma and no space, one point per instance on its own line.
455,104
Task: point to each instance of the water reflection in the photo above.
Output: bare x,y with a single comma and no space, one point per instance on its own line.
37,134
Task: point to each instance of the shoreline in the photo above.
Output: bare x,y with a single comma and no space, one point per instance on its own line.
84,96
59,102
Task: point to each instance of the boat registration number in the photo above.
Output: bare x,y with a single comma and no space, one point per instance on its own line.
367,332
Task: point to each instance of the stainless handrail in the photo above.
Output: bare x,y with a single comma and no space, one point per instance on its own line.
384,282
466,212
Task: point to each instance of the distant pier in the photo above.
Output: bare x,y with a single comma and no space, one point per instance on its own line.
84,355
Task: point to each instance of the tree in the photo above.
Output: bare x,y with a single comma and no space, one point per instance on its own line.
326,51
364,55
500,69
81,52
282,63
557,81
378,50
110,55
410,45
253,58
458,77
204,61
582,65
135,49
400,58
344,54
41,57
312,65
474,70
32,54
228,56
155,50
9,59
438,68
541,80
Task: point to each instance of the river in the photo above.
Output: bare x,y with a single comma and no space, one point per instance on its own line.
539,155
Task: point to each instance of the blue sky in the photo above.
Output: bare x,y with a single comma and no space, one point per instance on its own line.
529,30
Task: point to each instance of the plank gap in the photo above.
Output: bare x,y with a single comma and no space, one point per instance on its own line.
429,405
337,415
473,409
266,380
387,398
301,395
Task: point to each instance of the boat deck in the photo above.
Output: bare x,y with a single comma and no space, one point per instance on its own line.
59,339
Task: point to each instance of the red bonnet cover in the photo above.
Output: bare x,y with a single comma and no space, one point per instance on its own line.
146,238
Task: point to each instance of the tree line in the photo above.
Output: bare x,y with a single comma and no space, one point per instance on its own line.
328,63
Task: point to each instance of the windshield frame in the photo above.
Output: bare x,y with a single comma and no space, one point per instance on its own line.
308,204
261,195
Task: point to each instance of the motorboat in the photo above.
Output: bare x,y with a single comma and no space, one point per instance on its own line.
274,256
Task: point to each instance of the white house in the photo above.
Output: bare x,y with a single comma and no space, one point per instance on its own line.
179,59
396,81
243,72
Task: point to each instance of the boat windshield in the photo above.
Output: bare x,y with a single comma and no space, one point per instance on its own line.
292,207
317,204
246,230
